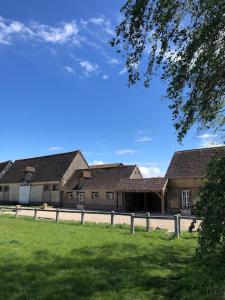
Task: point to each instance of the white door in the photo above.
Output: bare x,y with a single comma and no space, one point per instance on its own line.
24,194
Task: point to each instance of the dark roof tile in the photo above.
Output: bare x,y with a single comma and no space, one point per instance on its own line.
101,178
142,185
191,163
47,168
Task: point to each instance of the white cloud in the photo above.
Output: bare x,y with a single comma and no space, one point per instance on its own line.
113,61
97,162
207,136
69,69
125,151
104,23
55,148
105,76
97,21
144,139
13,29
88,66
59,34
208,140
123,71
151,171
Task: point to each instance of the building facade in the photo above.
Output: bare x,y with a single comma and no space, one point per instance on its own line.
67,180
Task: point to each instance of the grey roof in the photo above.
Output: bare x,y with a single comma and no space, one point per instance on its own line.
192,163
47,168
101,178
142,185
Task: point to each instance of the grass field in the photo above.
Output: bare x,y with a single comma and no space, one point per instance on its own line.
47,260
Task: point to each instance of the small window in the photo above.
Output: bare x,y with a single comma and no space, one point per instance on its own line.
69,195
186,199
94,195
109,195
81,197
6,188
47,187
55,187
1,188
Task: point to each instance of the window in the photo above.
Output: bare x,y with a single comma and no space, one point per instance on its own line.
186,199
47,187
6,188
1,188
69,195
94,195
109,195
81,197
55,187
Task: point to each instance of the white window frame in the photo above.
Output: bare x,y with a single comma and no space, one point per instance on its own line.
94,195
185,195
81,197
109,195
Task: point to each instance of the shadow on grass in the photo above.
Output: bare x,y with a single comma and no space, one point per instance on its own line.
112,271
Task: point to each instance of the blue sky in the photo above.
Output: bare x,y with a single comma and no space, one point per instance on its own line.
62,87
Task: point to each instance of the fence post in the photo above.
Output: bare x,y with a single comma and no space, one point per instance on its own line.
148,222
176,225
16,213
57,215
112,217
82,217
35,213
132,223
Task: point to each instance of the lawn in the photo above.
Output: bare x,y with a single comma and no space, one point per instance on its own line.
47,260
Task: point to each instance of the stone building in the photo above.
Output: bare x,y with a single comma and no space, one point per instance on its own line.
39,179
67,180
95,187
186,173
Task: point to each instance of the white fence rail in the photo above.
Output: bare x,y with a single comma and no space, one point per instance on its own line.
176,219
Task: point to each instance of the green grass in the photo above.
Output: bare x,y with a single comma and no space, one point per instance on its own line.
47,260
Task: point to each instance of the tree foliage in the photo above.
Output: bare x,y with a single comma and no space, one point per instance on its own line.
186,40
211,207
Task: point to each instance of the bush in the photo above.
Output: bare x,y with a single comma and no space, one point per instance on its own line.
211,208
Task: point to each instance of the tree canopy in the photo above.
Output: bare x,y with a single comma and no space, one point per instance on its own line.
185,41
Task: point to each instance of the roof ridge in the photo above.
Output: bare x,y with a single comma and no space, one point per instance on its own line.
57,154
4,162
200,149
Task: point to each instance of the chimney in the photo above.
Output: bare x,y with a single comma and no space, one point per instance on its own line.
28,173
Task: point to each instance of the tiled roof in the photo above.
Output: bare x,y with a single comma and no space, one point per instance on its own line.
191,163
47,168
142,185
103,166
101,178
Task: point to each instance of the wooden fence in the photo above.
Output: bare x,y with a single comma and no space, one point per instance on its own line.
148,217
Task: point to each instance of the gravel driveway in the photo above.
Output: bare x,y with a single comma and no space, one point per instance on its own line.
99,218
